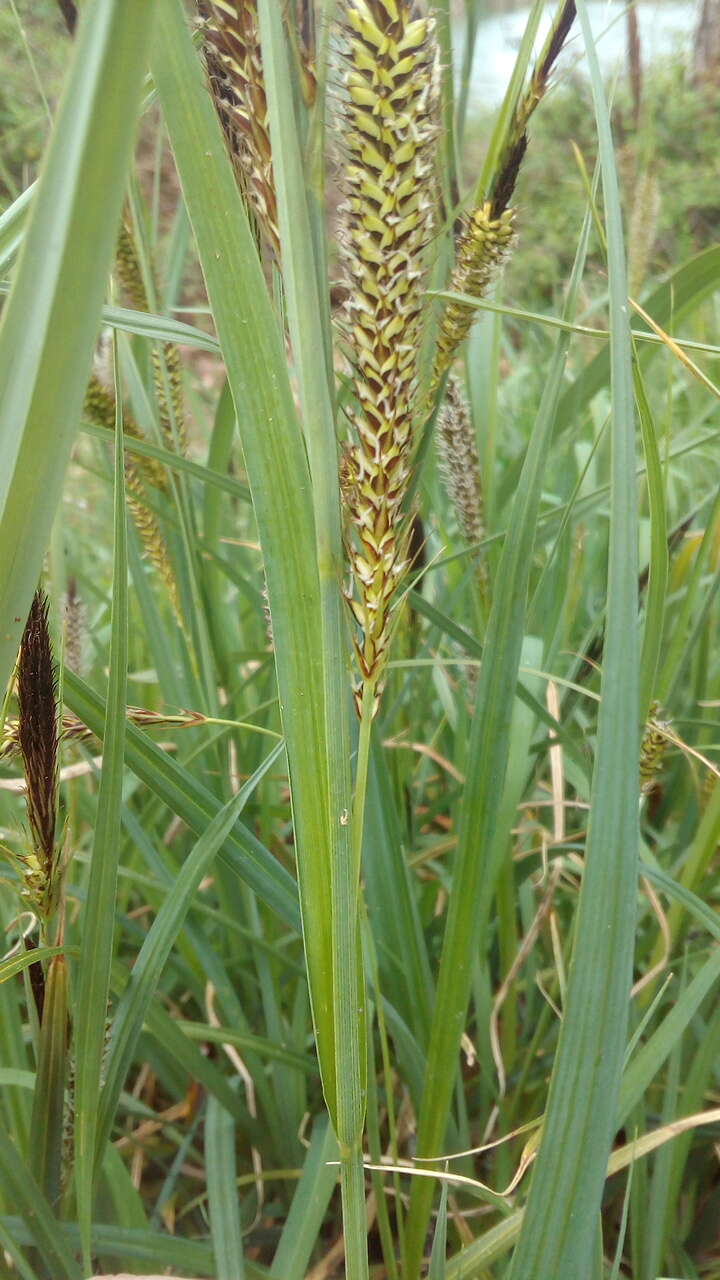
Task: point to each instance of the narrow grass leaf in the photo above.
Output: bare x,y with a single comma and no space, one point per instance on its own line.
148,967
46,1128
151,1248
159,328
702,911
484,788
175,462
439,1245
93,984
259,1045
12,225
223,1203
16,964
559,1229
278,472
50,321
684,290
37,1222
648,1060
309,324
192,802
309,1205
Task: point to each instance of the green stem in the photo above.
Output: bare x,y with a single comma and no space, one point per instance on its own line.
352,1186
361,773
349,999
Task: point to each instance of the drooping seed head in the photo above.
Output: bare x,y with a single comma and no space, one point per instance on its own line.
99,408
483,244
74,629
460,465
167,368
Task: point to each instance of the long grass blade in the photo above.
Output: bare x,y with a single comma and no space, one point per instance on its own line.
559,1229
278,473
97,937
309,1205
482,798
156,948
192,802
36,1217
225,1225
309,325
58,289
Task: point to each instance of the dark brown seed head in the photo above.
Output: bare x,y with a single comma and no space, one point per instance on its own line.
38,727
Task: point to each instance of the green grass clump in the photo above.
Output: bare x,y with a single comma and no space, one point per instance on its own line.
274,970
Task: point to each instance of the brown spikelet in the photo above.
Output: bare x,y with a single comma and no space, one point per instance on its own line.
36,974
71,728
69,13
38,728
10,738
460,468
234,63
389,128
167,374
129,271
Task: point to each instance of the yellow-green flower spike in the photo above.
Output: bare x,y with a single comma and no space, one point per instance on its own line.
483,244
390,102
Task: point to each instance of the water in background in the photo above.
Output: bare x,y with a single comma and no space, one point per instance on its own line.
665,29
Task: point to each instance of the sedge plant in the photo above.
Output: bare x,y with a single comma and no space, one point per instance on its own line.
384,741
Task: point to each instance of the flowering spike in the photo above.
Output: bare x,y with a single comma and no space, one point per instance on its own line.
234,62
390,103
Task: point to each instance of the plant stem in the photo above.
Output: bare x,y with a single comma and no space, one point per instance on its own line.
352,1185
